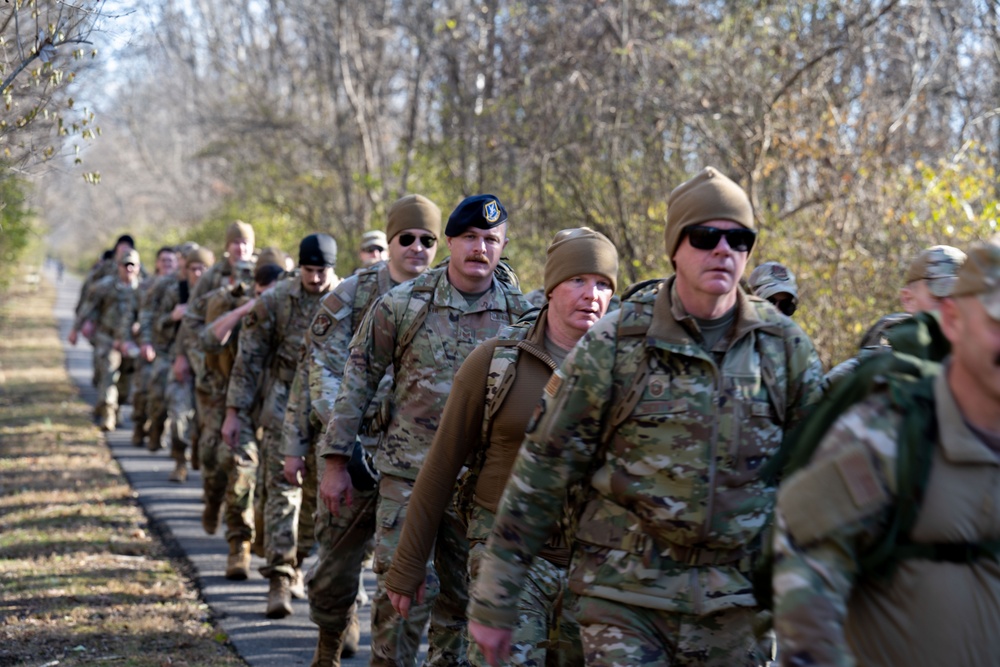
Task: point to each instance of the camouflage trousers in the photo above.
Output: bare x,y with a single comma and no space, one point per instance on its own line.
219,463
289,510
140,397
160,376
181,413
617,634
111,374
344,544
546,632
395,641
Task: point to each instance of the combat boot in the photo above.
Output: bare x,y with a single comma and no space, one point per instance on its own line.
105,417
210,516
155,441
238,563
298,585
327,650
180,475
351,638
138,437
279,597
257,548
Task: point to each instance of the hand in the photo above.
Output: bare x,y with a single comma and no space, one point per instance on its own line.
401,602
493,642
177,314
148,352
336,485
182,369
231,428
72,337
88,329
295,470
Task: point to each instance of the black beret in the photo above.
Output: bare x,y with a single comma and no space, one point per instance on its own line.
480,211
318,250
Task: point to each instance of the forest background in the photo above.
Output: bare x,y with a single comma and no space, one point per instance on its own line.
864,131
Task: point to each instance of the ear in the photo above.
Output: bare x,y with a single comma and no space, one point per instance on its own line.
951,320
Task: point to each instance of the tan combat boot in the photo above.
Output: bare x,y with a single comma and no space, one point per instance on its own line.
210,516
238,563
180,474
279,597
327,650
352,637
298,585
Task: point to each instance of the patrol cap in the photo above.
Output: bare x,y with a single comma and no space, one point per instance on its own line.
708,196
186,247
130,257
239,231
938,265
413,212
318,250
479,211
980,276
772,278
579,251
377,239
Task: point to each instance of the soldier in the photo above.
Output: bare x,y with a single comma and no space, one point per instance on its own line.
929,279
658,422
230,474
270,345
106,305
492,398
373,248
776,283
346,542
424,329
166,265
938,604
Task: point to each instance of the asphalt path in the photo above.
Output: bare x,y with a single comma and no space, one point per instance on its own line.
175,512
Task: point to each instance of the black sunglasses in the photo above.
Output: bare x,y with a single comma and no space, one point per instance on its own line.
706,238
406,240
376,248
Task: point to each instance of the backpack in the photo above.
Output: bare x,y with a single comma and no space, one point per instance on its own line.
906,374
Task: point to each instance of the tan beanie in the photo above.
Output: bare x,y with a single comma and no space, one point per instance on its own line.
238,230
272,255
708,196
200,254
413,212
579,251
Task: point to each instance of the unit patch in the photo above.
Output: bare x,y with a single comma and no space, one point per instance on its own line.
321,325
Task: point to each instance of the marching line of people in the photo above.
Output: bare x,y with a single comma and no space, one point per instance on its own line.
574,476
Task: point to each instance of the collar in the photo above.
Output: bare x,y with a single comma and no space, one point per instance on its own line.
959,444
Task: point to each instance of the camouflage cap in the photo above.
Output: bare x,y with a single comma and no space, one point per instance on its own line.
772,278
130,257
938,265
980,276
374,238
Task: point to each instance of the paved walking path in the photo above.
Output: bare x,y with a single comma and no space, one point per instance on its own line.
176,509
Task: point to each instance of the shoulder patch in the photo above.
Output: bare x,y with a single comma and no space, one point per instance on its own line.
321,325
250,321
860,479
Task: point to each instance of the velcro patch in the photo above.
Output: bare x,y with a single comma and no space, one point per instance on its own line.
860,478
321,325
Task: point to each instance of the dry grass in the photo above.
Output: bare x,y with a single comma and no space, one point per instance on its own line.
82,580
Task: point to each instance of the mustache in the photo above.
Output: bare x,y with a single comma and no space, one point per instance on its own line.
477,258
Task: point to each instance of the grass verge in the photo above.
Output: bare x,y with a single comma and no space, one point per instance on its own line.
83,580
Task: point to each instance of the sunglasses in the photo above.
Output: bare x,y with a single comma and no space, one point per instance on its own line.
706,238
406,240
376,248
129,265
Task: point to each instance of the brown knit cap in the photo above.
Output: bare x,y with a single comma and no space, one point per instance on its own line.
708,196
578,251
200,254
272,255
413,212
239,230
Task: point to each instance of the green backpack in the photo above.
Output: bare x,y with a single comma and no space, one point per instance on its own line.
907,374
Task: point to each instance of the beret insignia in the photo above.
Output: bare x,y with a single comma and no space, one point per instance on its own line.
491,211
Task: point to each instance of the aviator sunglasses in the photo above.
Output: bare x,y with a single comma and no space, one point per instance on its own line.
406,240
706,238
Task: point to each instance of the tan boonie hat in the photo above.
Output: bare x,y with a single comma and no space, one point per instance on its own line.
980,276
938,265
130,257
772,278
374,238
580,251
708,196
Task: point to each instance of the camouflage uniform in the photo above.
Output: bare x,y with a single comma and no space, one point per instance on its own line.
347,541
424,329
269,348
660,442
144,369
832,512
167,396
108,303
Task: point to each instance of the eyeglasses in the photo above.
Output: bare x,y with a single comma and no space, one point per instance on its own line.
706,238
406,240
376,248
